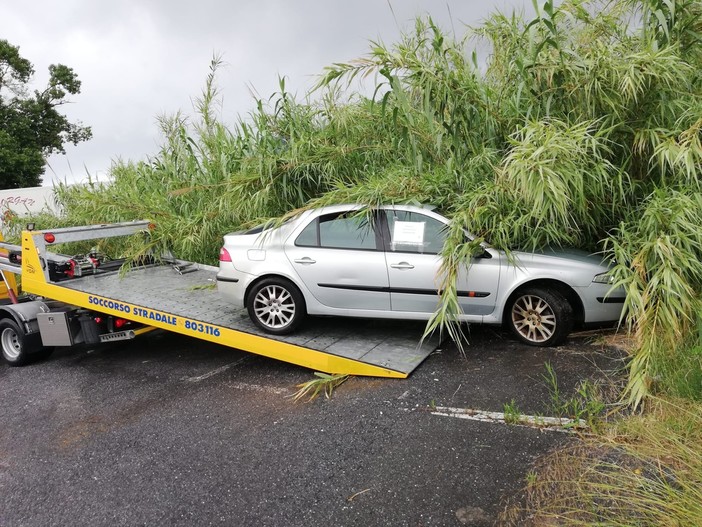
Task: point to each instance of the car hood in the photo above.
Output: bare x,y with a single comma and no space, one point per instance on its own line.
574,255
571,265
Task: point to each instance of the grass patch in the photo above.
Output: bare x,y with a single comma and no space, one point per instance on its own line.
643,470
324,383
512,413
587,404
680,373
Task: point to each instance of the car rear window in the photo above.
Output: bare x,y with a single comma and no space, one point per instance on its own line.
339,231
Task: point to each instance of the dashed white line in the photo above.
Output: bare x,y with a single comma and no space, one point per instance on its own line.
258,388
560,424
213,372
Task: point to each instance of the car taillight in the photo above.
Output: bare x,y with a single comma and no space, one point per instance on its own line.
224,255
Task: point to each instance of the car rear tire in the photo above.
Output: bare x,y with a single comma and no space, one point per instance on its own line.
276,306
540,317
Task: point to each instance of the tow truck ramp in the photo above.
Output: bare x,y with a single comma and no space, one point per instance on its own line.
180,297
186,303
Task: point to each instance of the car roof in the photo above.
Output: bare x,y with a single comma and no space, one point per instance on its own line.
330,209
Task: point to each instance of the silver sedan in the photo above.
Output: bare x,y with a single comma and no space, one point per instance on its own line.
343,261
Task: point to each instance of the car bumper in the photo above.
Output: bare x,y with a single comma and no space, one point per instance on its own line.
231,288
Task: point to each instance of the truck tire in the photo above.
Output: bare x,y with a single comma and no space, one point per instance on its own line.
13,343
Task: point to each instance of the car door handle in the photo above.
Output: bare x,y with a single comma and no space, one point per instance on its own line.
402,265
305,261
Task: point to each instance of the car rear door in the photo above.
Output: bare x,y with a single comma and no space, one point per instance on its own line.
413,245
340,259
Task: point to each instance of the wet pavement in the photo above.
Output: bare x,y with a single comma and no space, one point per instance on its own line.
167,430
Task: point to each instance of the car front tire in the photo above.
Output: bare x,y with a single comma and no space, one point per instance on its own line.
276,306
540,317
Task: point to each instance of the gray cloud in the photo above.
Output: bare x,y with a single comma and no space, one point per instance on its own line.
141,59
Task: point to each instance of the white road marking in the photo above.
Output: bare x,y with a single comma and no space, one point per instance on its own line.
238,385
559,424
213,372
404,395
258,388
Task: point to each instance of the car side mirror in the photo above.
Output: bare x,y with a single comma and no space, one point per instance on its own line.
477,251
480,253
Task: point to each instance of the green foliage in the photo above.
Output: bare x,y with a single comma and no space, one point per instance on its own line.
31,127
657,253
644,471
586,404
679,371
581,129
511,413
324,383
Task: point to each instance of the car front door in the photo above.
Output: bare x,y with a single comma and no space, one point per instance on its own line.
413,245
339,258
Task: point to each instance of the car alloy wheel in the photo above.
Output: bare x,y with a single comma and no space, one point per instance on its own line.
540,317
533,318
276,306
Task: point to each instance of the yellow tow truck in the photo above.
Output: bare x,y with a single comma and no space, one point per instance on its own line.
70,300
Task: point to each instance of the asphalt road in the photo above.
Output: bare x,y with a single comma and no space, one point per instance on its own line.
166,430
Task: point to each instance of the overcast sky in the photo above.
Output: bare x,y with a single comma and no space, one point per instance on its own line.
138,59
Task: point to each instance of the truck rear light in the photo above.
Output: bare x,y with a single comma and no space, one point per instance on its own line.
224,255
49,238
119,323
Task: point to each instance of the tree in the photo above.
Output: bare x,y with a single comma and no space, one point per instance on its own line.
31,127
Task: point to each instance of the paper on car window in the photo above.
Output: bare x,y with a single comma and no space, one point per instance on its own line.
408,232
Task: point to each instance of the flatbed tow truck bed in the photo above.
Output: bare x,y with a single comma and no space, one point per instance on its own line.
180,297
155,291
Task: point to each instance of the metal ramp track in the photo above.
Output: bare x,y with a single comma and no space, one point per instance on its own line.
382,348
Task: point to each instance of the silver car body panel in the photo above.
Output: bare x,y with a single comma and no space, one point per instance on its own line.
381,283
342,278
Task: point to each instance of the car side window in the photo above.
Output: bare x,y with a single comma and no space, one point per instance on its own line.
339,231
414,232
309,235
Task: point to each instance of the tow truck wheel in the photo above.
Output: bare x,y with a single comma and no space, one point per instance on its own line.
13,344
16,349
